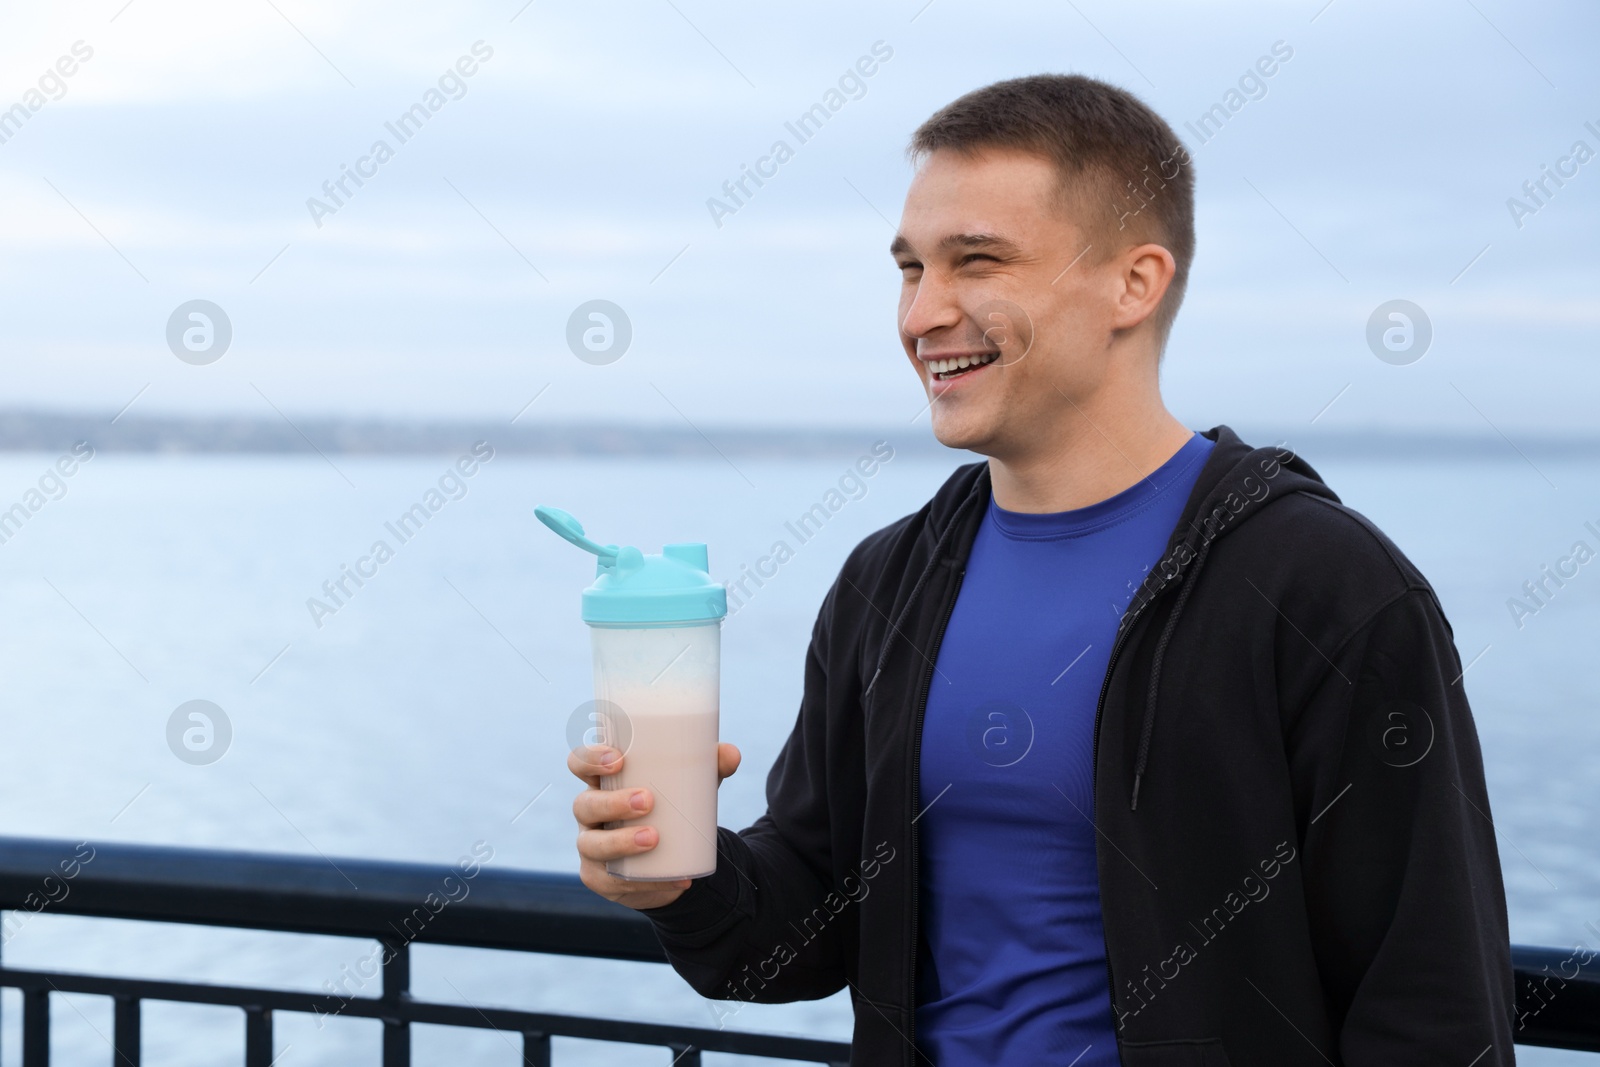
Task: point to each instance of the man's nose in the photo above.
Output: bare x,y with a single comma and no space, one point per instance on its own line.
933,307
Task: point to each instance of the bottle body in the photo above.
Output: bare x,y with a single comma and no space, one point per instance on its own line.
657,700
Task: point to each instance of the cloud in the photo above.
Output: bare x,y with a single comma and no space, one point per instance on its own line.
585,151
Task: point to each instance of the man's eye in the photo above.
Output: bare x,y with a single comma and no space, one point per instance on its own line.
974,256
910,265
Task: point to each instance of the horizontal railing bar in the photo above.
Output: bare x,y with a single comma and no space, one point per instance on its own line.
512,1021
1558,998
528,911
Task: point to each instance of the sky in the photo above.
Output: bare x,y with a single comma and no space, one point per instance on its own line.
575,163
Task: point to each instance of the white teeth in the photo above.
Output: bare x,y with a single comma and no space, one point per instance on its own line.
946,366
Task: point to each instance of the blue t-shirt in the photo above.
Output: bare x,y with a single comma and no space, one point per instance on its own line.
1012,962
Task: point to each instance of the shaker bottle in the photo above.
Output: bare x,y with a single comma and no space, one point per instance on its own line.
655,625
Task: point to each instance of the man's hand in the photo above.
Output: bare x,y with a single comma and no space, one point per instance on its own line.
594,807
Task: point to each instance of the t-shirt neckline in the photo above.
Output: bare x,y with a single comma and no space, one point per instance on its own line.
1033,525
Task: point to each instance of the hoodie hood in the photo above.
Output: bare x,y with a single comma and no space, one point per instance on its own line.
1236,484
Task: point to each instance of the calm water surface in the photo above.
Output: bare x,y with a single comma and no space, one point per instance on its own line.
423,712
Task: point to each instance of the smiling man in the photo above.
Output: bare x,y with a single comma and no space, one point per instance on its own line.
1134,745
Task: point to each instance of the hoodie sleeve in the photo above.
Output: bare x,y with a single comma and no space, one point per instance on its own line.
1403,883
731,934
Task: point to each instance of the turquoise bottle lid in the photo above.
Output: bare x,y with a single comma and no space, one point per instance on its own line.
632,588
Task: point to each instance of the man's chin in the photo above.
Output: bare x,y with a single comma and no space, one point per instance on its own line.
964,434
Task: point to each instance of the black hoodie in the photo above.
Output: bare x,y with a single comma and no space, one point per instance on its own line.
1296,859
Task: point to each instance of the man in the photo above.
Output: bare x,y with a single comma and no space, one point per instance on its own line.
1133,745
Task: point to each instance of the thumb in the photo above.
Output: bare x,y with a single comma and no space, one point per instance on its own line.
728,759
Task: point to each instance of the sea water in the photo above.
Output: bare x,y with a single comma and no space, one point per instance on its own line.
421,713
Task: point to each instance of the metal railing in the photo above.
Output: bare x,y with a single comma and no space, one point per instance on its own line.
527,911
1558,992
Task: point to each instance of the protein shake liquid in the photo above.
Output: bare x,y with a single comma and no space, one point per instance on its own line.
658,694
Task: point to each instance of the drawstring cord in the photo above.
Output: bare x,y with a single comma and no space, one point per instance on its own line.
1155,674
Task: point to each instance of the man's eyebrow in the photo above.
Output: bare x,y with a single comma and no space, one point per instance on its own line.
959,241
971,241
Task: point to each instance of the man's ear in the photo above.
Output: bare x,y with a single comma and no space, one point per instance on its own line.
1147,272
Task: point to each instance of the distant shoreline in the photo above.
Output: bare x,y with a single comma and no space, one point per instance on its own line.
46,431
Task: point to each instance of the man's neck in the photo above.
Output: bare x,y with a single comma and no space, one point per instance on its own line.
1090,455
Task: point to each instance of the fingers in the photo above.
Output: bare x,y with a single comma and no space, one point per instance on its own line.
728,759
632,894
602,840
589,762
602,846
592,807
597,847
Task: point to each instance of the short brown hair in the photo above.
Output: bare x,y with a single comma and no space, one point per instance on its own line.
1120,163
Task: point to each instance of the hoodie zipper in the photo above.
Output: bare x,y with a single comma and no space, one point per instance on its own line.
916,772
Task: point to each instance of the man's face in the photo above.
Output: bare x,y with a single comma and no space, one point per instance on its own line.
994,271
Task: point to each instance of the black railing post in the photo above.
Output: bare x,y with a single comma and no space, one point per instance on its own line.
125,1044
35,1028
257,1037
685,1056
396,988
535,1049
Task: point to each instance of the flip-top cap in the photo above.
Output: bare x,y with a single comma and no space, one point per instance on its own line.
632,588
